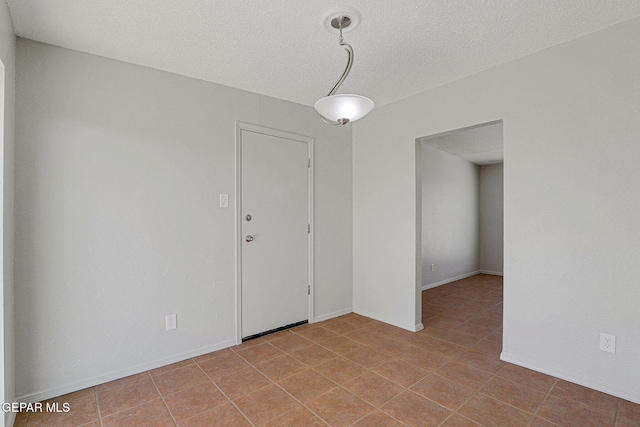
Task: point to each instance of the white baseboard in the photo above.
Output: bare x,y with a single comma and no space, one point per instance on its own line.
632,396
90,382
453,279
411,328
331,315
493,273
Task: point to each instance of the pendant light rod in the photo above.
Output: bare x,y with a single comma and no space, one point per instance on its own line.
347,47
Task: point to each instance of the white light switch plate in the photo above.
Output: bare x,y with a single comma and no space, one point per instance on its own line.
224,200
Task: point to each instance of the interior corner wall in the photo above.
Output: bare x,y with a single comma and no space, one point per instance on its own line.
7,55
491,219
571,203
118,172
450,216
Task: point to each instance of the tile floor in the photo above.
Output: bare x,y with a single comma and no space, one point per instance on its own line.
353,371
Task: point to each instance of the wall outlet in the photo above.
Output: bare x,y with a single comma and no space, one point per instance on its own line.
433,267
171,322
608,343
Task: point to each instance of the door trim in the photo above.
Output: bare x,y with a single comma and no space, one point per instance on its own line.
240,126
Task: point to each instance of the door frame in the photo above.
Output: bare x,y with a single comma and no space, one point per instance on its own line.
240,126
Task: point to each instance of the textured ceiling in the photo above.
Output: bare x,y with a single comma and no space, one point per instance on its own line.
280,48
482,144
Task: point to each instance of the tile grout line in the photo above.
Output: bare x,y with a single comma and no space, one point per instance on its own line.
119,379
531,414
153,381
303,404
406,388
535,413
376,408
507,403
254,366
437,403
225,394
382,412
311,368
615,418
493,374
95,392
132,407
475,393
455,411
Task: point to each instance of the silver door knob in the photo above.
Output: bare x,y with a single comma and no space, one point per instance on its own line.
249,238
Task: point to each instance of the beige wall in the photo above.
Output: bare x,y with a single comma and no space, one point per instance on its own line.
571,203
7,55
450,217
118,173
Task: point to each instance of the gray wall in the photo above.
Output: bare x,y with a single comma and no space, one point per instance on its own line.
450,220
571,203
491,219
461,216
118,172
7,55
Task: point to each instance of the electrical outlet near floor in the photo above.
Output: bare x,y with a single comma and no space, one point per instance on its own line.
607,342
171,322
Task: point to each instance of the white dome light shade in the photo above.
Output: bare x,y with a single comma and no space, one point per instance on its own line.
343,108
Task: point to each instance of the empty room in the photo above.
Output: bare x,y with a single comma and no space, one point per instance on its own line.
283,213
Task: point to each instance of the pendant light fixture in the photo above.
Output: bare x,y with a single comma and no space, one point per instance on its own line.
343,108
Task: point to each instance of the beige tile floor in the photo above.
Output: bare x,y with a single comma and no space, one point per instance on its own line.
354,371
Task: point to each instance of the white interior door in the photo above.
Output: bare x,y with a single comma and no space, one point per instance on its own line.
274,220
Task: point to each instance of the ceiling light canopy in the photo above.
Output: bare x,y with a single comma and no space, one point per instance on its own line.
344,108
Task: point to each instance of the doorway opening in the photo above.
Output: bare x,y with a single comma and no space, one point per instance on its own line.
460,215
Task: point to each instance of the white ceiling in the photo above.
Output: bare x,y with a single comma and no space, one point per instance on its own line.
482,144
280,48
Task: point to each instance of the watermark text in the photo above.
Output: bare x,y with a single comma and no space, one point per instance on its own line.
35,407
